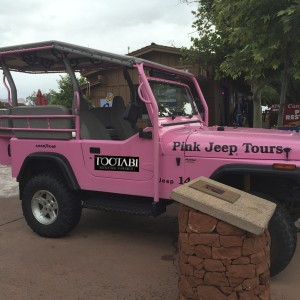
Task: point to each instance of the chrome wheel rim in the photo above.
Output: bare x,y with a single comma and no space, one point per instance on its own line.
44,207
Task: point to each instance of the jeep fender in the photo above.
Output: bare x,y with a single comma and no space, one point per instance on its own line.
42,162
255,170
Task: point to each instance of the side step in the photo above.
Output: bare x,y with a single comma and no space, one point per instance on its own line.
126,204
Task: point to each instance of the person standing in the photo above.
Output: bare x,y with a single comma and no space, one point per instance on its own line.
250,111
239,113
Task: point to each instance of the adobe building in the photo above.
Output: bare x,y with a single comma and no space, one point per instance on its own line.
220,96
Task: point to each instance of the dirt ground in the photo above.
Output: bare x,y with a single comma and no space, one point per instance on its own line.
108,256
285,286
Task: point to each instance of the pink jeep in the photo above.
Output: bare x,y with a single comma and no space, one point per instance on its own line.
130,158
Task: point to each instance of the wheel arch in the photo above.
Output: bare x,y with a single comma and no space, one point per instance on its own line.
263,170
283,185
37,163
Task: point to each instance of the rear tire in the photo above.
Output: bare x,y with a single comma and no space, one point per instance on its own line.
50,208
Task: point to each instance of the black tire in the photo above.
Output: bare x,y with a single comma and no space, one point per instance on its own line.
283,233
50,208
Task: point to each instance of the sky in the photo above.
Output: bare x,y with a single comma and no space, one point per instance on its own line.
110,25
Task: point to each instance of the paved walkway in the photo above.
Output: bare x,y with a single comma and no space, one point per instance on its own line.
8,185
108,256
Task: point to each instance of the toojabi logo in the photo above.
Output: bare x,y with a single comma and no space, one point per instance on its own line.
117,163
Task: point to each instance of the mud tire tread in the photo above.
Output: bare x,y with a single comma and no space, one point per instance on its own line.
283,234
69,205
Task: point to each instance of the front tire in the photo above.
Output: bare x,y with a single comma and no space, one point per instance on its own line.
283,233
283,240
50,208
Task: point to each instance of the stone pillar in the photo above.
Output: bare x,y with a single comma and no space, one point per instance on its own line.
219,261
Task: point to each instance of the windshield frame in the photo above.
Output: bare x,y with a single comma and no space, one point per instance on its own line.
177,119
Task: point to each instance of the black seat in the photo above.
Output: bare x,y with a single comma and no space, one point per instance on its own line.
123,127
91,128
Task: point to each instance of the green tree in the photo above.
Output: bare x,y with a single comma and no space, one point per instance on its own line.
208,48
65,94
269,95
254,40
293,91
31,100
289,19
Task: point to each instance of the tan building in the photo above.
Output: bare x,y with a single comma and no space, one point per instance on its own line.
220,96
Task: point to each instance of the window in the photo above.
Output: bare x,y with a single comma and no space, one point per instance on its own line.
173,99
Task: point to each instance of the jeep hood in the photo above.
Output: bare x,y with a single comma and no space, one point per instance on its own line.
231,143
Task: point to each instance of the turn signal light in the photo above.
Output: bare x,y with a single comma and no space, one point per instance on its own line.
284,167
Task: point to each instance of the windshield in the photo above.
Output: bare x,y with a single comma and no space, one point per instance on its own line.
172,99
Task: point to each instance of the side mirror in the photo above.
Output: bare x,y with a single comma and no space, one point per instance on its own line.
145,135
132,113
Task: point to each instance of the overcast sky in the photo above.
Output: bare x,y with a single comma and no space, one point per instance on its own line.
110,25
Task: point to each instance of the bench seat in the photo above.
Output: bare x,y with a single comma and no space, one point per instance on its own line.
5,123
42,123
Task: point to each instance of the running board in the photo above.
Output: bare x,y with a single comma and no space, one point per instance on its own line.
126,204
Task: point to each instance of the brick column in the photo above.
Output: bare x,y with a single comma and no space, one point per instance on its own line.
218,261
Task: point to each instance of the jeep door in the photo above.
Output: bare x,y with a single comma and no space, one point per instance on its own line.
131,159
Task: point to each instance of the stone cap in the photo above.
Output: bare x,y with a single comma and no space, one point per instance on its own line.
226,203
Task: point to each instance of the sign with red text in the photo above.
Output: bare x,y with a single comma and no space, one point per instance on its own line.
291,115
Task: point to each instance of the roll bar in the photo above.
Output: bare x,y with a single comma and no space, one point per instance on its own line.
13,89
76,88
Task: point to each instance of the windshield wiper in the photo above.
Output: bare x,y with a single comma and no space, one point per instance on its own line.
164,111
